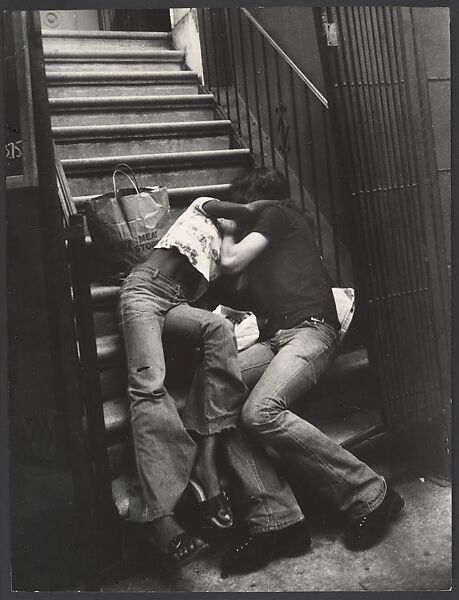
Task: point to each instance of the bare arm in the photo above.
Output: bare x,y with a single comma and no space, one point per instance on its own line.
237,212
236,256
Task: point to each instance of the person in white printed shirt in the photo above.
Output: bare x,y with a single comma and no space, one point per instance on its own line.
176,273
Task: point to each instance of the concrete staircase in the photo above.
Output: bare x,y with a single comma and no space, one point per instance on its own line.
128,97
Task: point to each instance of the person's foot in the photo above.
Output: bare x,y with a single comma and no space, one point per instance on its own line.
176,546
251,552
206,484
370,529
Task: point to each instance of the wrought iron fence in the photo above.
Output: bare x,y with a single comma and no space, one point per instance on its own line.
379,96
282,117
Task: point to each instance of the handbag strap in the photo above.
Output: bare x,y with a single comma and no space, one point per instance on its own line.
119,169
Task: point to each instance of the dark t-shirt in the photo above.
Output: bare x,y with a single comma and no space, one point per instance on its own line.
287,282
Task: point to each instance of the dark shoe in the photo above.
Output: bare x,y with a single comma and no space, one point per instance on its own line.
177,554
252,552
211,508
370,529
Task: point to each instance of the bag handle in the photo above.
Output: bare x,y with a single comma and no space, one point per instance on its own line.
130,176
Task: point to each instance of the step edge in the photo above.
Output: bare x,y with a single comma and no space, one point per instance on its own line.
167,157
108,101
97,76
97,54
140,128
73,33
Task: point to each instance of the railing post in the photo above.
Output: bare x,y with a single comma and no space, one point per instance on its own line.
79,266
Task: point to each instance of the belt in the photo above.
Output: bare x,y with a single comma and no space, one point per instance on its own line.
320,321
315,319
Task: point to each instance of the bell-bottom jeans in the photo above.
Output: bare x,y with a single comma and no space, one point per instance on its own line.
164,450
279,372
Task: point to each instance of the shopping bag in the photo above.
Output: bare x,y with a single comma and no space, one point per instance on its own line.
126,224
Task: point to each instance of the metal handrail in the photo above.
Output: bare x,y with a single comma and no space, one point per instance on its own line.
286,58
65,197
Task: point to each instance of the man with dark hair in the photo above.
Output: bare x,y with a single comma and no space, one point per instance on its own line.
287,285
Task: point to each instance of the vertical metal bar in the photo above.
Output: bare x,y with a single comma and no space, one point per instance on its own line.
281,104
268,101
233,62
297,137
216,56
88,355
203,13
315,187
244,71
330,178
257,96
224,45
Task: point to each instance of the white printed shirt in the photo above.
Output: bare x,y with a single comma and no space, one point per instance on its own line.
196,236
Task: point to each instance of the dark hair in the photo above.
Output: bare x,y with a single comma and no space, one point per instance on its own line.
264,183
261,183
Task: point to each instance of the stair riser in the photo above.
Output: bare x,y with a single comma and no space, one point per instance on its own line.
113,382
71,44
98,183
106,322
141,115
142,146
140,89
111,66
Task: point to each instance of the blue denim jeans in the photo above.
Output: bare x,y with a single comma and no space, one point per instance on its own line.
279,373
163,449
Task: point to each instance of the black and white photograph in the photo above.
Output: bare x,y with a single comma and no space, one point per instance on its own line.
228,280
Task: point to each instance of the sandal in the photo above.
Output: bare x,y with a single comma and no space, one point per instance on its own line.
170,557
209,507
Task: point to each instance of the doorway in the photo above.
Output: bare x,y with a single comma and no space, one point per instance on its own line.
135,20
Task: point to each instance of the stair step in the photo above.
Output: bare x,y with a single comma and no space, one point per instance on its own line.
113,381
120,459
94,175
108,350
77,40
116,416
65,61
179,196
121,110
347,426
144,138
102,295
120,83
115,55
